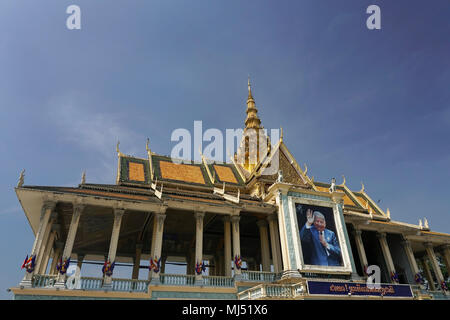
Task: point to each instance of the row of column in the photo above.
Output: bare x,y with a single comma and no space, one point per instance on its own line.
231,236
47,239
231,243
410,255
435,265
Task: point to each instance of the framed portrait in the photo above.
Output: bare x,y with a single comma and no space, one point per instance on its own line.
320,237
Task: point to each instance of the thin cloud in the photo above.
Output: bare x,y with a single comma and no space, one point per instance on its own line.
95,132
10,210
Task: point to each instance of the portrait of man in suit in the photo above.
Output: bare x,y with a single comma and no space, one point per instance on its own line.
320,245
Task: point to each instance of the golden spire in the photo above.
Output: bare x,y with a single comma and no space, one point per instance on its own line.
252,121
249,89
254,138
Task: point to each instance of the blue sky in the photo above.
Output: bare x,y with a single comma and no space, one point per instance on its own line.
372,105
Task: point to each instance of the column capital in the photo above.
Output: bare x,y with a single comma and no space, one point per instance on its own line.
77,210
357,232
49,204
80,256
235,219
236,211
226,218
428,245
199,215
272,217
262,223
118,212
381,235
160,218
162,209
405,243
337,197
78,207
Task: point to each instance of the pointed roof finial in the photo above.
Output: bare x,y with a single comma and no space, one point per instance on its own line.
249,88
83,177
362,187
21,179
343,180
117,146
388,213
425,222
420,223
146,145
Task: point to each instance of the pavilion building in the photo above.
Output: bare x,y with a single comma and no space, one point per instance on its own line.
241,233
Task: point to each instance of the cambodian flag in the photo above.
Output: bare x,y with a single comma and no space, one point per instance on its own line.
24,263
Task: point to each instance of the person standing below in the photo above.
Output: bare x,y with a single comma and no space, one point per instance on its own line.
322,242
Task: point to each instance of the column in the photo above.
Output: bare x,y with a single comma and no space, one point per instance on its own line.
198,242
227,245
428,275
46,253
361,251
67,252
386,254
46,211
118,214
137,261
275,242
40,256
158,227
411,259
57,252
434,263
264,239
236,243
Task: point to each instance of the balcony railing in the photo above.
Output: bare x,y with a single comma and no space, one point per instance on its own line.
259,276
218,281
177,279
130,285
90,283
189,280
273,291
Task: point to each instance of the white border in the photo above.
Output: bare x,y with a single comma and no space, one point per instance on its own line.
347,267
